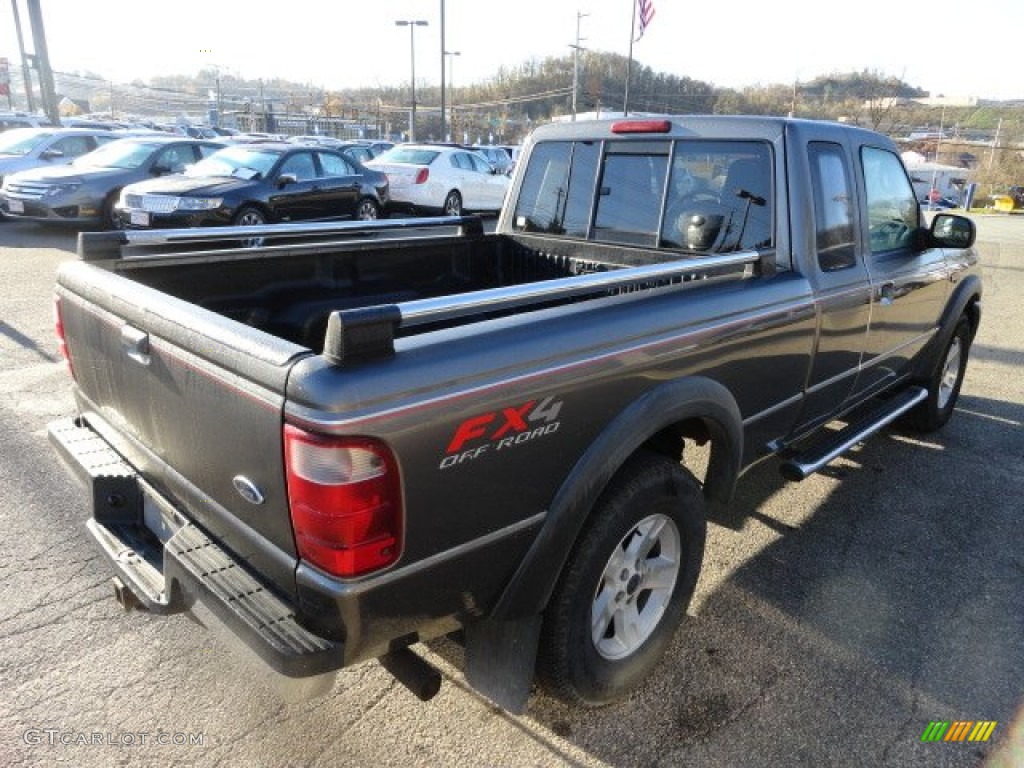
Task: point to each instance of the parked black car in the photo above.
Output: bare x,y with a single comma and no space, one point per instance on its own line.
85,191
248,184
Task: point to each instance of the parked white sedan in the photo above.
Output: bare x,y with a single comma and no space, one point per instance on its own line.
438,177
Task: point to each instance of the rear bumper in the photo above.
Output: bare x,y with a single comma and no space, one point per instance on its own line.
170,565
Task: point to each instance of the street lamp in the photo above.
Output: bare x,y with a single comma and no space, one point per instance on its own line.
412,24
451,87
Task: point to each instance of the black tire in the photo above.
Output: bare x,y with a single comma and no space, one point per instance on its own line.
109,218
652,510
367,209
944,383
250,216
452,204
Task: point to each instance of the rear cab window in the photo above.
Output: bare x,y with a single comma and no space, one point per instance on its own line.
708,196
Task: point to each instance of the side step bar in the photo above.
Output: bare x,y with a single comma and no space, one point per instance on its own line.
802,465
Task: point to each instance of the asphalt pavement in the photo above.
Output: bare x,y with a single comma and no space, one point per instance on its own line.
834,621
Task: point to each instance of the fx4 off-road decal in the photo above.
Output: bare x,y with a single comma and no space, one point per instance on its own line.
502,430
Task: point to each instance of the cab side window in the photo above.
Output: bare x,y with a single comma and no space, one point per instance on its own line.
893,212
833,206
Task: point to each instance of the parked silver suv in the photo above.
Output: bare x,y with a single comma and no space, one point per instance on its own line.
24,148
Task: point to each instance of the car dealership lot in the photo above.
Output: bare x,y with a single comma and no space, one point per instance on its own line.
835,619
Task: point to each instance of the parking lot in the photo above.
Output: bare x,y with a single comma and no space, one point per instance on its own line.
835,619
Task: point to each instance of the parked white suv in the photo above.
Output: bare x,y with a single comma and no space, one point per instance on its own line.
441,178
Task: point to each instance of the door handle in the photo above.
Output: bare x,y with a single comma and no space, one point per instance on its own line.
135,344
886,294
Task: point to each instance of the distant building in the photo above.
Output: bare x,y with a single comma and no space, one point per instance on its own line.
948,101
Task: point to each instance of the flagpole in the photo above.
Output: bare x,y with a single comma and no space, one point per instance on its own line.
629,61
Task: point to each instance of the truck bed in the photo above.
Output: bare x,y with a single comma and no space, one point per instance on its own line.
289,289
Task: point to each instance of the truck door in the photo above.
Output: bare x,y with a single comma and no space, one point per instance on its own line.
843,290
908,284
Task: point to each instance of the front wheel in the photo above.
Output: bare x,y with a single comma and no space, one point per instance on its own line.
250,217
944,384
626,585
107,212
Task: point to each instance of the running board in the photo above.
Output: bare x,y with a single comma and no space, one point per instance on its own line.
802,465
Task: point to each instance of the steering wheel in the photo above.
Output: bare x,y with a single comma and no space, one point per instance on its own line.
890,232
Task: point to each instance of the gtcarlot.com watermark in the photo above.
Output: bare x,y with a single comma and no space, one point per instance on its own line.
54,737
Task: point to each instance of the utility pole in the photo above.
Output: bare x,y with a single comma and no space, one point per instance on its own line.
443,133
995,142
576,62
26,73
35,15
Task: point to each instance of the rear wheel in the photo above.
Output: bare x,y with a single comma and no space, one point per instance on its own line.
944,384
367,210
453,204
626,585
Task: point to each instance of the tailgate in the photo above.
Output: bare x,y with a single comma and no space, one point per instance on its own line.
193,401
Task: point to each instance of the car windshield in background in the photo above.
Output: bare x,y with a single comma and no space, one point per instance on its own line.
21,141
239,162
118,154
408,155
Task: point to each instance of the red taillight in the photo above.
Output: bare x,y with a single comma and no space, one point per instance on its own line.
642,126
345,500
422,176
62,340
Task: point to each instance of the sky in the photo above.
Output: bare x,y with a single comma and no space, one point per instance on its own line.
936,45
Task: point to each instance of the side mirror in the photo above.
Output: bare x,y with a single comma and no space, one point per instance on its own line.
285,179
51,154
160,170
949,230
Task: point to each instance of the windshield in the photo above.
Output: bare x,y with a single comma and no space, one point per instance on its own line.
239,162
21,141
408,155
123,153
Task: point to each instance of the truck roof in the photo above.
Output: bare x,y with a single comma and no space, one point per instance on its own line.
768,128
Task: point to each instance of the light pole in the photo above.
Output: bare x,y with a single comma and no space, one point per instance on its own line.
412,24
451,87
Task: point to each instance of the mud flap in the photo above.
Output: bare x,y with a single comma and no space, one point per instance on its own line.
500,659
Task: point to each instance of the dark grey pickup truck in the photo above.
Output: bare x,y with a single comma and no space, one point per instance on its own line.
337,441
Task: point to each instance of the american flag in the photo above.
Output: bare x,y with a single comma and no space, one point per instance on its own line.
645,13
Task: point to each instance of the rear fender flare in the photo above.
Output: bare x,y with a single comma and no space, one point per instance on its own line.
670,403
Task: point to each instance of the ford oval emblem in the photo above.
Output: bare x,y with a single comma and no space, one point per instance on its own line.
247,489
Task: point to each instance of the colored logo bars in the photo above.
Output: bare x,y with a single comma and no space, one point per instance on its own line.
959,730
